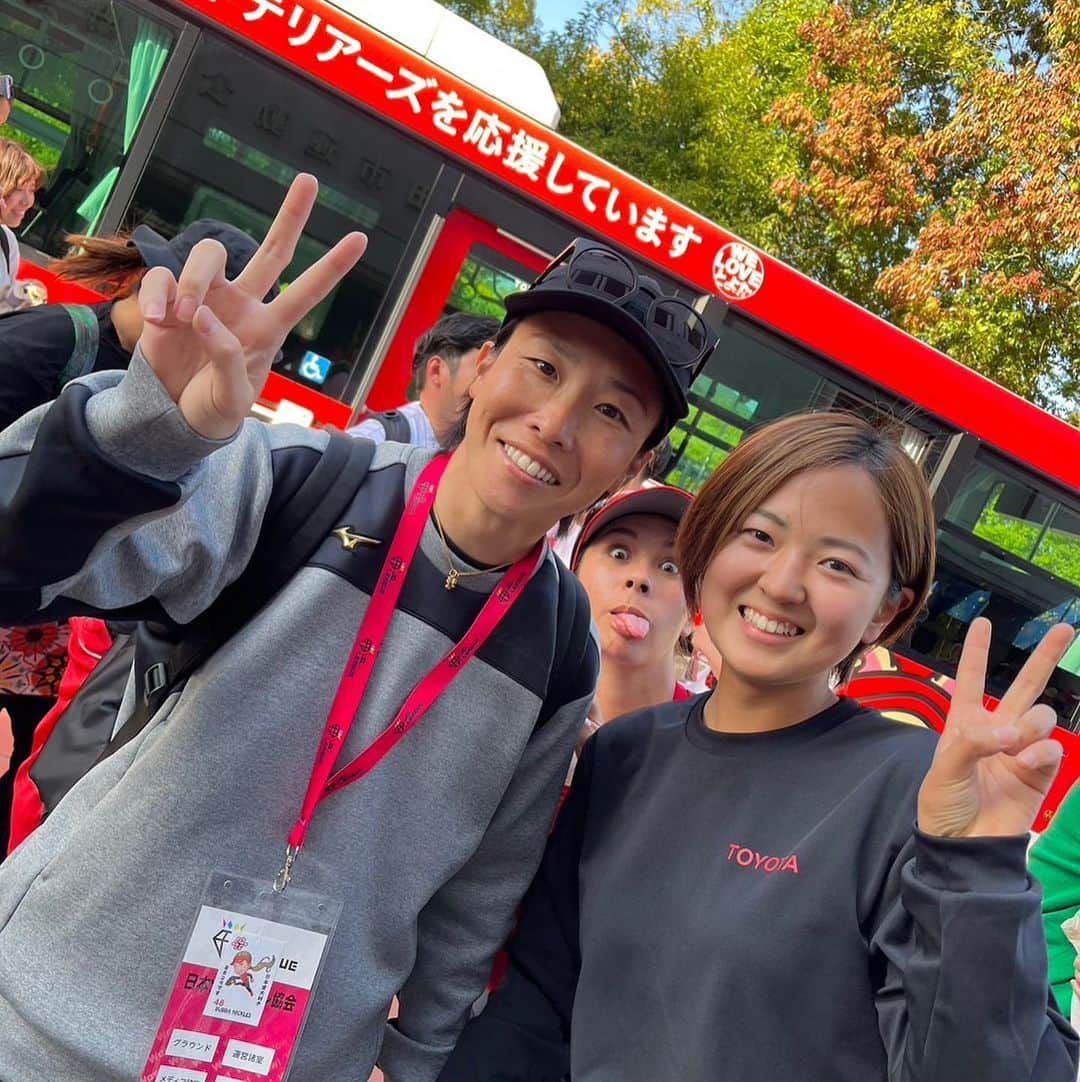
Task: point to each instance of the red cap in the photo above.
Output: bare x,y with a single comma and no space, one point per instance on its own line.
666,501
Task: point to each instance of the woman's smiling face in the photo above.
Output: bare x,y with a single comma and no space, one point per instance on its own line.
14,206
559,416
804,580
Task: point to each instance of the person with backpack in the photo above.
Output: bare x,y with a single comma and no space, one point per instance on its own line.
20,178
41,350
444,364
429,648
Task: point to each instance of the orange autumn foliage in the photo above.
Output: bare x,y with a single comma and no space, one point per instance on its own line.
967,228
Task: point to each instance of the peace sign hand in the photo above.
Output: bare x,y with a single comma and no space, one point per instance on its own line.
992,769
211,341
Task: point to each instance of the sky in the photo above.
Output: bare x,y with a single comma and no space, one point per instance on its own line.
553,13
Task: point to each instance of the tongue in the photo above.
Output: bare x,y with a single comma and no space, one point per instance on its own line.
630,626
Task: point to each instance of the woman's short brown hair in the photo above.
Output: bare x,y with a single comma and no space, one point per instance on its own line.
775,454
18,169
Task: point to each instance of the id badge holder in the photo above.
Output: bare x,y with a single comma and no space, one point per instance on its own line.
241,993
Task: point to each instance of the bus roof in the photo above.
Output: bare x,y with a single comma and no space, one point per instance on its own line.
464,50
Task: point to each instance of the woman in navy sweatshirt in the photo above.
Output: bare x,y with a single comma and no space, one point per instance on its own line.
769,883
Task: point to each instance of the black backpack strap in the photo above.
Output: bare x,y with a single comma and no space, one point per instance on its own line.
308,516
566,617
285,545
573,619
395,425
85,726
5,247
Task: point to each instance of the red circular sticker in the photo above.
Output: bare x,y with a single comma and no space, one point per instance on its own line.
738,271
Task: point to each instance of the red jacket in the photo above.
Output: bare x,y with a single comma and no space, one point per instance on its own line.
89,641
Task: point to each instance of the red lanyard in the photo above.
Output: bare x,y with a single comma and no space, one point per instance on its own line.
365,653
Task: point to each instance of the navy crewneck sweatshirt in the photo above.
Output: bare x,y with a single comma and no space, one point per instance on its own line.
759,908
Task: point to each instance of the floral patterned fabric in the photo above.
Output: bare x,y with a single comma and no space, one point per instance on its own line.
32,659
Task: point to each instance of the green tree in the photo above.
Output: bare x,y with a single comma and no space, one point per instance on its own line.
994,275
918,156
513,21
674,91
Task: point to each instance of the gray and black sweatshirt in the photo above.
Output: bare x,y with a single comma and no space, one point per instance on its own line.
110,502
759,908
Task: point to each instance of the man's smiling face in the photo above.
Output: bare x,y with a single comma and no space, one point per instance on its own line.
559,416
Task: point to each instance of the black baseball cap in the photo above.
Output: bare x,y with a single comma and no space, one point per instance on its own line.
591,279
664,501
156,251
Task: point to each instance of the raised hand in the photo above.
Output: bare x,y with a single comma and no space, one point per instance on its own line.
992,769
211,341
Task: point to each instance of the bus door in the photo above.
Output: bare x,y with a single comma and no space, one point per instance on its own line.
471,266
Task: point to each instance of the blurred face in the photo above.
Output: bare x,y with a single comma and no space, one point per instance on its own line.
446,392
461,380
634,589
704,645
803,582
14,205
558,417
5,110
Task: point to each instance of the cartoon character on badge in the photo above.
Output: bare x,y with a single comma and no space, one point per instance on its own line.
243,969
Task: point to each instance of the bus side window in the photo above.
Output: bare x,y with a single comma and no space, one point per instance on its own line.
85,71
752,378
239,129
1008,550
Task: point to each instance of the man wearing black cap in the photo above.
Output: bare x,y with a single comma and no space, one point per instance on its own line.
477,645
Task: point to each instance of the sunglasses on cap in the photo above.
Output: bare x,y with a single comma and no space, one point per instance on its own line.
677,327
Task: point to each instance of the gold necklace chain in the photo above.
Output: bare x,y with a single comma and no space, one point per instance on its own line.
454,574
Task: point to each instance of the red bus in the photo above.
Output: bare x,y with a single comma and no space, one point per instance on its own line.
439,145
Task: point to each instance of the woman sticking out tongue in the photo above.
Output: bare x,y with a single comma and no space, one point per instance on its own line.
625,559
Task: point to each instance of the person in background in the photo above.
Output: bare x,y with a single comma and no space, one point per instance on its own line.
624,556
713,850
444,366
705,661
20,178
42,349
7,95
1054,860
564,536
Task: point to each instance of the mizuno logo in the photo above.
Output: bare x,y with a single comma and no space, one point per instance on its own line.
350,540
